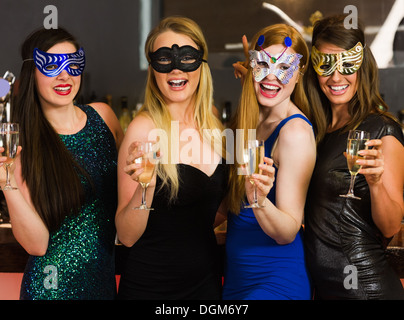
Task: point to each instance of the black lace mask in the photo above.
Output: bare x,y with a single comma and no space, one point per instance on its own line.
185,58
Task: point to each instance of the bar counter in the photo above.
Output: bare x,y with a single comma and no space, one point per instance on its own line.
13,257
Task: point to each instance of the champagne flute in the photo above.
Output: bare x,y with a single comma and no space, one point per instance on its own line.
254,152
356,141
148,162
9,139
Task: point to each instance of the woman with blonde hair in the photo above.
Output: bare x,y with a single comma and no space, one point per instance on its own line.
172,248
264,249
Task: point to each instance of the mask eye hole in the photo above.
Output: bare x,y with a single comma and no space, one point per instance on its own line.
263,64
188,59
284,66
164,60
347,64
325,67
74,66
51,67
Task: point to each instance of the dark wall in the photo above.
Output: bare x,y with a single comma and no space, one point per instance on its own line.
225,21
109,32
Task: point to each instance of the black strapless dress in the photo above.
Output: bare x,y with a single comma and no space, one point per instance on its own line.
345,251
177,255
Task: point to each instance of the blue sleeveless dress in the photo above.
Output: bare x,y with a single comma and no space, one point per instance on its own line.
257,268
79,262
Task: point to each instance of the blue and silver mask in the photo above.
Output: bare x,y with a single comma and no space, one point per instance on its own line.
52,64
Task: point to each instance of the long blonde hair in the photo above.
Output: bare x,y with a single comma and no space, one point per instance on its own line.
156,108
247,114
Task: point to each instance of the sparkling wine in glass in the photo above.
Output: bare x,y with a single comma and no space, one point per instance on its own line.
253,153
9,139
148,162
356,142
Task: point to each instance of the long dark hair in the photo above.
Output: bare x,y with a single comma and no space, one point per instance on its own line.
367,98
48,168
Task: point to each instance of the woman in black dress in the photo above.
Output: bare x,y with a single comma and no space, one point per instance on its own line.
346,238
172,249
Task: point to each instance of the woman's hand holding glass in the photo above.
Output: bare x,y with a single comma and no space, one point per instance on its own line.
133,168
3,162
9,141
367,160
261,183
372,162
141,164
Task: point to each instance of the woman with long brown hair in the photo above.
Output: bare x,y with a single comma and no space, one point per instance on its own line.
345,237
62,212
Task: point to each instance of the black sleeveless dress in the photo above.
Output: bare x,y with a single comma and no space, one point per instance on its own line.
345,251
177,255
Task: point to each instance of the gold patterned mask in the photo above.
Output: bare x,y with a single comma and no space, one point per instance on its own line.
347,62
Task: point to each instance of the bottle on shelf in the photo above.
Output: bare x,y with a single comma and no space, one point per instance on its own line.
136,110
125,117
108,97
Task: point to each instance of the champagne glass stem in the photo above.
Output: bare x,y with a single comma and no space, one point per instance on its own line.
255,195
8,185
351,184
144,189
143,204
350,193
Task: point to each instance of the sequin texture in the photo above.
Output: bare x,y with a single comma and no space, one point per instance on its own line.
79,262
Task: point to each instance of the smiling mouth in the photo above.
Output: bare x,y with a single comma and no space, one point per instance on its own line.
269,90
338,88
270,87
63,90
177,83
67,88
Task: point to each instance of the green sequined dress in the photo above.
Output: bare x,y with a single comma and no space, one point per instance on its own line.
79,262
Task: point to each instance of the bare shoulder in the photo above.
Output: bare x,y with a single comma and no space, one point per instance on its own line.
296,152
107,114
140,127
110,118
104,110
138,130
297,131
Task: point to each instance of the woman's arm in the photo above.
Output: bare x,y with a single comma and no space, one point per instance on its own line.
383,169
240,67
221,214
27,226
296,155
131,223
